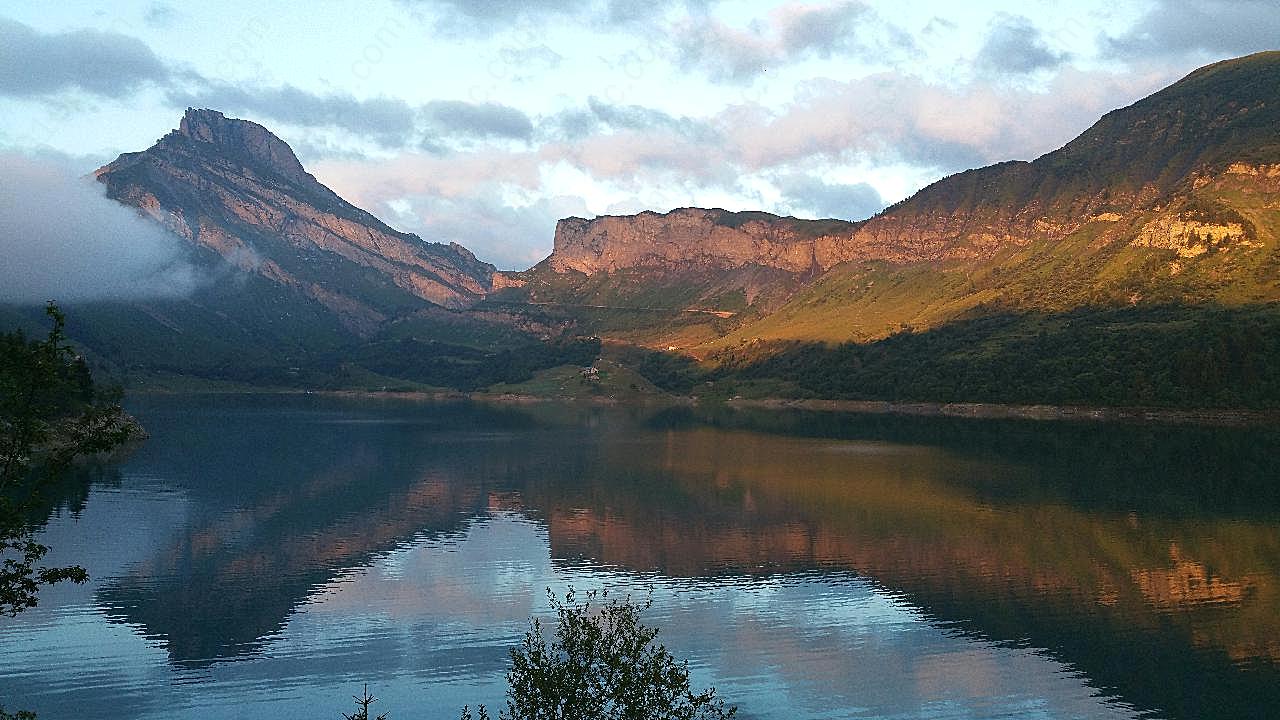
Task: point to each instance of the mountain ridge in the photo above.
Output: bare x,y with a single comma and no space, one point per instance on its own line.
1162,215
1101,170
233,187
1171,198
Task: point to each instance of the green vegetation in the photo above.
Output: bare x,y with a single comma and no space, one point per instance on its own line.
51,414
804,228
645,305
1169,356
604,664
612,380
253,334
363,701
463,368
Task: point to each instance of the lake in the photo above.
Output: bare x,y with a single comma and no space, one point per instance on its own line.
266,556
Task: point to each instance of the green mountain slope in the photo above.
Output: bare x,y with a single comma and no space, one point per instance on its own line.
1175,199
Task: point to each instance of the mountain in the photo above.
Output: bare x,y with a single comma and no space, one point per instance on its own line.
684,275
299,287
232,187
1138,264
692,237
1170,200
1219,121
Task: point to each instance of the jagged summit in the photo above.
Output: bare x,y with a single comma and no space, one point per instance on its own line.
232,187
249,141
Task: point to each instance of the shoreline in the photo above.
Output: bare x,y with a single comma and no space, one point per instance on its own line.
1226,417
1220,417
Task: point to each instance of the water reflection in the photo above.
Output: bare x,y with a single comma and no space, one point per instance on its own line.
884,566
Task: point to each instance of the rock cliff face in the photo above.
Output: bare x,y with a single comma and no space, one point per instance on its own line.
232,187
692,238
1146,158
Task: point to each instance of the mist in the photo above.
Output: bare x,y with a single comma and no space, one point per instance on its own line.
62,239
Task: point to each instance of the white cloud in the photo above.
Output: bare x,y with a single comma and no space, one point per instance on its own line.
787,34
62,239
631,157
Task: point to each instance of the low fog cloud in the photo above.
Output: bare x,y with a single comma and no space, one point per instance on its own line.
62,239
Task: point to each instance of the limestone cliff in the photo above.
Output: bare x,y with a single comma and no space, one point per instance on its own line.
1132,171
232,187
692,238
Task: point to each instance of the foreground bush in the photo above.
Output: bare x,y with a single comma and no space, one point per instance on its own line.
602,663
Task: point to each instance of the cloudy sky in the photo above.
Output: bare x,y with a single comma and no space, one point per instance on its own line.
484,121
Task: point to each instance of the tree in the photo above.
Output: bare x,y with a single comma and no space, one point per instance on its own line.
602,664
51,414
363,701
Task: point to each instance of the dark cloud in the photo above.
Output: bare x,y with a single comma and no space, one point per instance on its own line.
486,17
630,117
620,12
1015,46
1218,27
387,121
160,14
33,64
723,53
64,240
788,34
523,62
639,117
601,116
390,122
506,10
939,25
808,196
478,120
823,30
570,124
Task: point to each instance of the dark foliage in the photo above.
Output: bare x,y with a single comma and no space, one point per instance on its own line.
466,368
603,664
50,414
363,701
1166,356
670,371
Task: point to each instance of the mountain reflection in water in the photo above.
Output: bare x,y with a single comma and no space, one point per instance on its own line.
1145,558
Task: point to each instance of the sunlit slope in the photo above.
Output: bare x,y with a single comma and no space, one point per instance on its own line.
1219,243
1175,199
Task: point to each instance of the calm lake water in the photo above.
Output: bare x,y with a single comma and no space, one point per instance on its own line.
265,556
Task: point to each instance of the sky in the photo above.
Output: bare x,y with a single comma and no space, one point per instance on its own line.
484,122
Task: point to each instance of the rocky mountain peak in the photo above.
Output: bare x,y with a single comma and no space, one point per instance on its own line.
232,187
243,140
